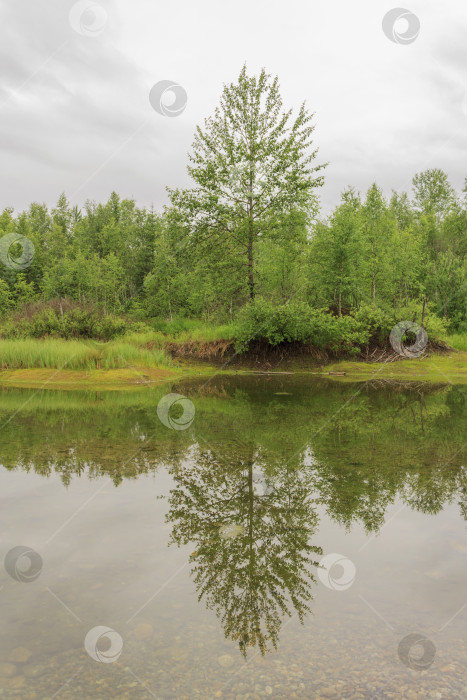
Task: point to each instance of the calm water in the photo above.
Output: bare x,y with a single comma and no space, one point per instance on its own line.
264,537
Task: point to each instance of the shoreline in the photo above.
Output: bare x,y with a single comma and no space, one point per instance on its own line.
435,369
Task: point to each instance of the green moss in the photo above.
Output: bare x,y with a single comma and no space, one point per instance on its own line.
436,369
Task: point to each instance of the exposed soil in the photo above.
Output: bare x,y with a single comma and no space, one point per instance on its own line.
211,351
261,355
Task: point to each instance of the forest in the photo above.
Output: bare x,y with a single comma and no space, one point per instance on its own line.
246,248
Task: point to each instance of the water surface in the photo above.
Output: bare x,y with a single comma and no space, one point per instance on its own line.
282,541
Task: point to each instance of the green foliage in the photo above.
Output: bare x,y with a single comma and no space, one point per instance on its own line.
23,291
338,246
247,228
62,319
6,299
296,322
261,320
254,177
458,341
189,330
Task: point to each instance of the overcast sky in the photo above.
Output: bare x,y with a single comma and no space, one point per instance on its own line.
74,89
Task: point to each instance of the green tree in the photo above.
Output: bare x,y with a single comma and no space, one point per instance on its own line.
251,164
6,299
23,291
378,227
337,256
433,193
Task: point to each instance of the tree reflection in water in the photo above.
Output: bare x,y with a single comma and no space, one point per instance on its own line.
253,563
272,451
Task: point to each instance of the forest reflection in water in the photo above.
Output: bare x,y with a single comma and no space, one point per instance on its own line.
252,473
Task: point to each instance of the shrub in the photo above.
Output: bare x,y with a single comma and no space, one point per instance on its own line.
295,321
62,319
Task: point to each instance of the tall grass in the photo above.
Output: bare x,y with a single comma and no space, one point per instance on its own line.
190,330
79,355
146,339
122,354
52,354
458,341
143,349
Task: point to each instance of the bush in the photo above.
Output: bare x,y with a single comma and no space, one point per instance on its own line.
297,322
264,321
177,325
62,319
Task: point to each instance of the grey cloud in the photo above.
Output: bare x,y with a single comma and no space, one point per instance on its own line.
383,111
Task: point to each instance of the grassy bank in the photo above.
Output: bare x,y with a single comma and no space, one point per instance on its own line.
95,380
458,341
436,369
52,353
146,357
80,364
